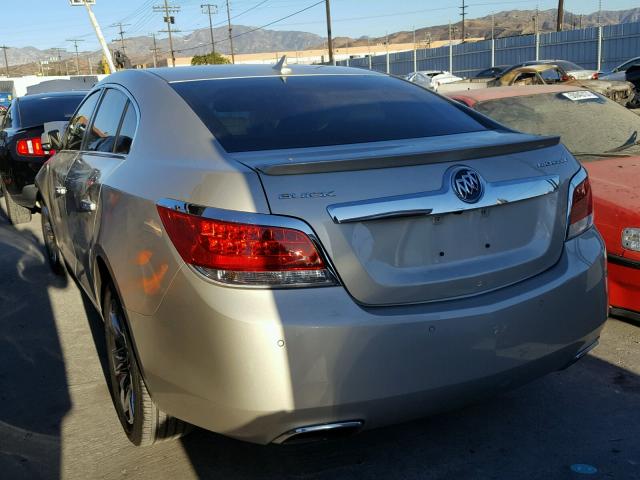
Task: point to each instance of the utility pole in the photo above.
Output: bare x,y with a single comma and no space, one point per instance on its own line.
121,32
233,56
90,65
600,13
75,44
493,26
329,39
210,10
415,51
463,14
169,20
560,20
155,51
59,56
6,62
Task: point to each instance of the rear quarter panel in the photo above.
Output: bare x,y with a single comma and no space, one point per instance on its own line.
172,156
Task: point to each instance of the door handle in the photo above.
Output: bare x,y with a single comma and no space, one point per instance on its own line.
60,191
87,206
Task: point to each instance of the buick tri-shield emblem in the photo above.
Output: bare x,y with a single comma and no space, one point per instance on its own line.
467,184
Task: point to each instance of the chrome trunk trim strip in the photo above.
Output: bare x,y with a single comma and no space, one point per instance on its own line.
443,201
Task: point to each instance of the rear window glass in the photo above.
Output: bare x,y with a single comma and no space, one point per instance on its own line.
251,114
37,111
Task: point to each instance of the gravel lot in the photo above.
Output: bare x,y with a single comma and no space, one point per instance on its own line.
57,421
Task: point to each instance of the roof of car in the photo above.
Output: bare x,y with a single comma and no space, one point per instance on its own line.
495,93
212,72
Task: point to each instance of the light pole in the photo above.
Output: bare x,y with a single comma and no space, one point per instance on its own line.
98,30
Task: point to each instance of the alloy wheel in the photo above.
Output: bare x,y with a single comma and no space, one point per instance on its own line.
121,365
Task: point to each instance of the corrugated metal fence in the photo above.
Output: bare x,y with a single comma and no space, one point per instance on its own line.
593,48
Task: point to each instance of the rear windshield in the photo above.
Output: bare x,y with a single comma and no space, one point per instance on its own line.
568,66
37,111
578,117
250,114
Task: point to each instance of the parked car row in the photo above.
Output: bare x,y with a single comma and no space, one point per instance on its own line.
291,258
21,151
620,87
610,154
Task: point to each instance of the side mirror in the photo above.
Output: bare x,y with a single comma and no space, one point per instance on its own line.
51,139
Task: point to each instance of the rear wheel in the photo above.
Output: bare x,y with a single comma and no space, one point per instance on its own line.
17,213
143,422
51,244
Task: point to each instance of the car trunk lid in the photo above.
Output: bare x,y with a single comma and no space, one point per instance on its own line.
395,230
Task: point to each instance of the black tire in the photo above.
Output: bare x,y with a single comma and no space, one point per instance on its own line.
143,422
54,256
16,213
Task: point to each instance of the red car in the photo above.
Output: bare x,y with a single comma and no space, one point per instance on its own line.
605,138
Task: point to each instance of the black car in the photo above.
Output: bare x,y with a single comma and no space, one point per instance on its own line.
491,72
21,152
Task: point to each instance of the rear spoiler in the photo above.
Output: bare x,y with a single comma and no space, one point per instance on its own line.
277,166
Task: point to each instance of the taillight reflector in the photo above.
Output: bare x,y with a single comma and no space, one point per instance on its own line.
222,245
30,147
581,215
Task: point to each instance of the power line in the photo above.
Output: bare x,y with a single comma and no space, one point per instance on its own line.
260,27
243,12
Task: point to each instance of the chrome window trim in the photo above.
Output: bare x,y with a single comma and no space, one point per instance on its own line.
443,201
260,219
125,92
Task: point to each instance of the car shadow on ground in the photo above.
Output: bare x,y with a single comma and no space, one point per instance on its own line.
584,415
34,396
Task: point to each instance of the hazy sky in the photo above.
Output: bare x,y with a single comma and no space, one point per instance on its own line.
48,23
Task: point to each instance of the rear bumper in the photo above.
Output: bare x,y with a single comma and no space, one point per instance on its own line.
253,364
624,285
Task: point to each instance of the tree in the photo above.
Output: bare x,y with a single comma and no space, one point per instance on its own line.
209,59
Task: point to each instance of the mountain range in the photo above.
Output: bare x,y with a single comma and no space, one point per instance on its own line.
248,39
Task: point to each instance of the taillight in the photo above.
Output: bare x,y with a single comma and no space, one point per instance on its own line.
580,204
595,76
246,254
30,147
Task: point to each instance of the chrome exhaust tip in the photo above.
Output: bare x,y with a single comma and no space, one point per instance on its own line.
315,433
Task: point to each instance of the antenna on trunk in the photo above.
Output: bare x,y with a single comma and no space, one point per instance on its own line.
282,67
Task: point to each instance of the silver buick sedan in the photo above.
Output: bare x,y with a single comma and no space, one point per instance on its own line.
291,253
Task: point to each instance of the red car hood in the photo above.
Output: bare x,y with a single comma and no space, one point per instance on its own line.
616,190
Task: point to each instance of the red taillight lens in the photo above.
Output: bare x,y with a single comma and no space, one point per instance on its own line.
581,215
243,253
595,76
30,147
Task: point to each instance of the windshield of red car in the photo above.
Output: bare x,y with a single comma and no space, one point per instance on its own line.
587,122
